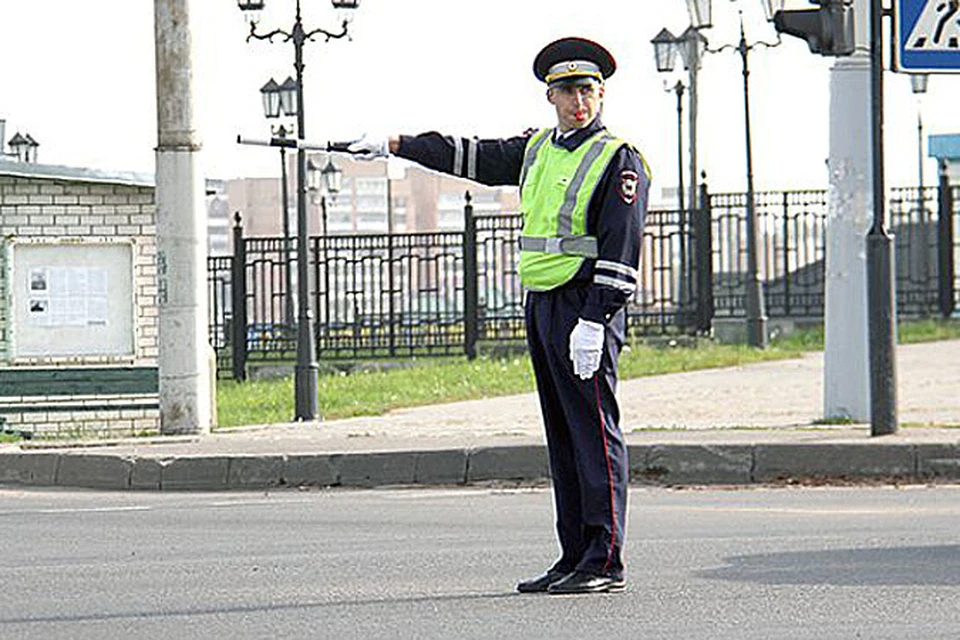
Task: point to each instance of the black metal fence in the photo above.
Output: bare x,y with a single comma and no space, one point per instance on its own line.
449,293
791,249
388,295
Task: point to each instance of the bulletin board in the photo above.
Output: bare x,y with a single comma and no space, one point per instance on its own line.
71,299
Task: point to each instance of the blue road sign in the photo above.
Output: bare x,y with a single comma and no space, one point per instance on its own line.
928,36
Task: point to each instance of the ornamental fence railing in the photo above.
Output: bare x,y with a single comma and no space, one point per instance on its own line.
448,293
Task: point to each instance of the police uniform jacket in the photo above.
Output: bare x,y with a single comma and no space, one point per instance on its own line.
615,214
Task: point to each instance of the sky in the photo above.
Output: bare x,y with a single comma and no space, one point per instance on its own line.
80,78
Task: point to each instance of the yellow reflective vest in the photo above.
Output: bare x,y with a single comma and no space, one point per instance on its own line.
556,186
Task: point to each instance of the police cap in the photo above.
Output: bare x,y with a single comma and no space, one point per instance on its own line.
573,58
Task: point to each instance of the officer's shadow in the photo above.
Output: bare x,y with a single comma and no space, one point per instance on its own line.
888,566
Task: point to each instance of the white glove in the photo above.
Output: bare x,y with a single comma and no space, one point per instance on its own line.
370,147
586,348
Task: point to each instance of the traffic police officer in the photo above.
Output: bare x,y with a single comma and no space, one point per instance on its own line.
583,195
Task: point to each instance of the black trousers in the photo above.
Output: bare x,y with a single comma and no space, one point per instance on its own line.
588,457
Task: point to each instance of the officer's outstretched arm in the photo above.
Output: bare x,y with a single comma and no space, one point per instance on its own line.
490,162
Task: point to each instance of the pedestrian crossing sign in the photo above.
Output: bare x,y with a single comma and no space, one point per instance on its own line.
928,36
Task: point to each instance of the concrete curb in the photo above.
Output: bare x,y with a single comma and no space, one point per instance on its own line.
660,464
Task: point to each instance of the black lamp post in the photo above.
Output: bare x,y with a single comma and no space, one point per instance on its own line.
756,307
918,84
665,52
691,45
321,182
678,89
332,183
332,177
272,108
324,181
306,383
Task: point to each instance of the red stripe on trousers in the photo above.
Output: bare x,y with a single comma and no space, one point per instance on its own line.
606,453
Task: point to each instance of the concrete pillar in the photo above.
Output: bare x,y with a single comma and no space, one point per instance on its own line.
846,385
185,389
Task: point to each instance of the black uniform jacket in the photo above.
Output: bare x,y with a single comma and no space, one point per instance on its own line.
615,214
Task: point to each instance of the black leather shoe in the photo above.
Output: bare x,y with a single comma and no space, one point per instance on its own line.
541,583
582,582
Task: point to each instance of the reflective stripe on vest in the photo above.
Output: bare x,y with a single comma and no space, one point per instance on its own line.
585,246
557,185
533,146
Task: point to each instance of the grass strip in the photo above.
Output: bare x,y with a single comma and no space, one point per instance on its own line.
424,382
436,381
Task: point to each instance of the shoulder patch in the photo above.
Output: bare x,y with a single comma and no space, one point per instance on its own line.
628,186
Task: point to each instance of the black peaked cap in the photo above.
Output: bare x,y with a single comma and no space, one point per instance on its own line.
570,49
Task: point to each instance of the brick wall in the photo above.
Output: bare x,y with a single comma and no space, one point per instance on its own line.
102,422
40,207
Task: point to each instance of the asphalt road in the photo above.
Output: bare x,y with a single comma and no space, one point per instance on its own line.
857,562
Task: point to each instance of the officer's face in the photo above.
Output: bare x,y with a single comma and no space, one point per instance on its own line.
577,104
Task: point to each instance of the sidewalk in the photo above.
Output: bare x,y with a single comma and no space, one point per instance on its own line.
737,425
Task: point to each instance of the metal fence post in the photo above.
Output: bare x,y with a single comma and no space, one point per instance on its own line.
945,263
704,238
470,302
238,302
391,286
786,254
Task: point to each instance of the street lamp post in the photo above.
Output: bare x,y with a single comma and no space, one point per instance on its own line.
678,90
918,84
289,318
324,181
756,307
321,182
665,48
691,45
684,268
306,383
